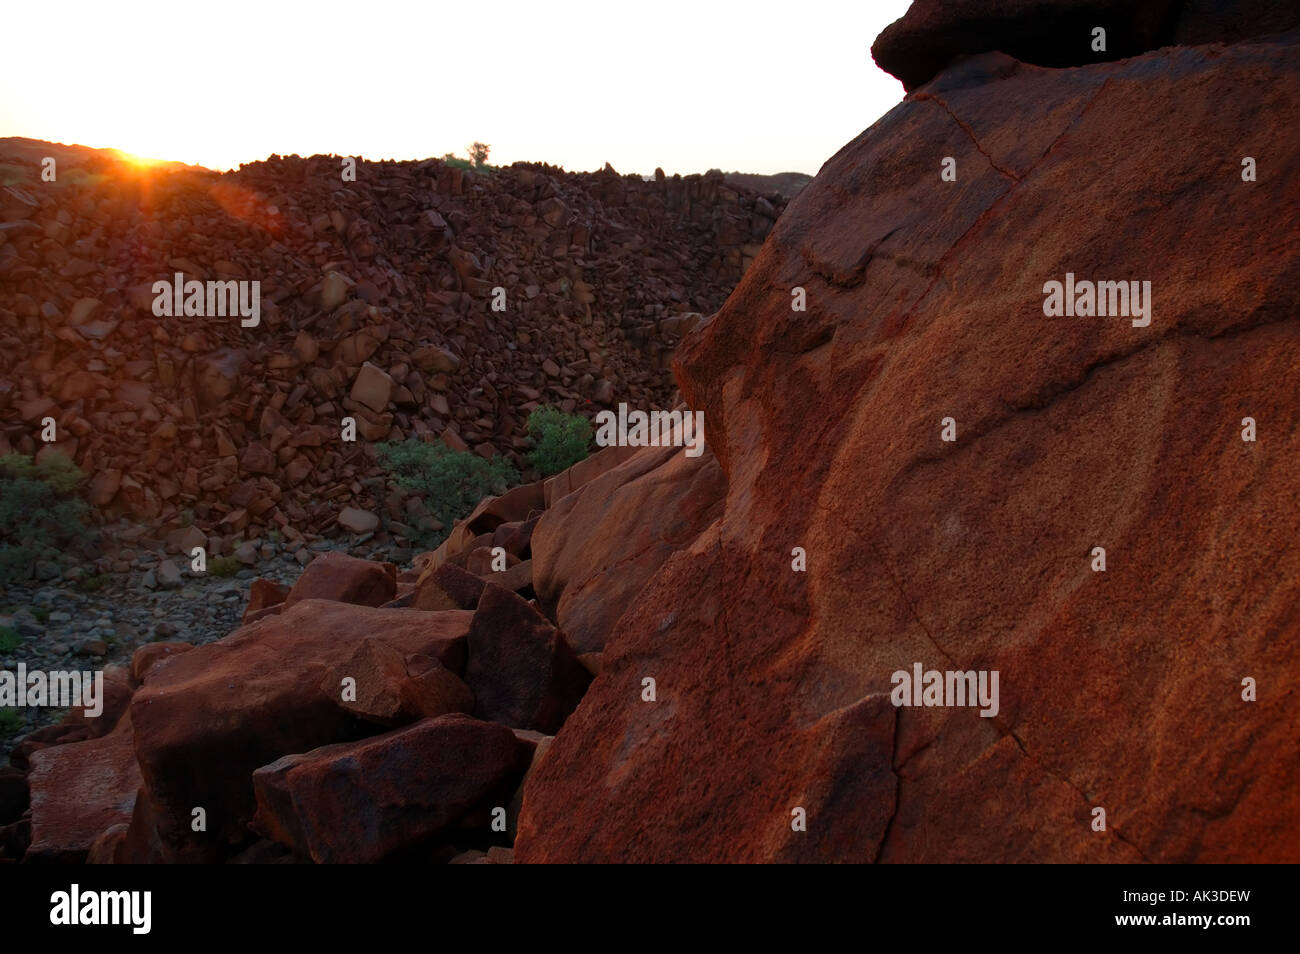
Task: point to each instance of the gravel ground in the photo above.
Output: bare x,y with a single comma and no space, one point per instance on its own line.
151,596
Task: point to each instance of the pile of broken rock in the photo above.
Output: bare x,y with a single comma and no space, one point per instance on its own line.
363,714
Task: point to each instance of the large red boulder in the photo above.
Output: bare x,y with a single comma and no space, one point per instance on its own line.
207,718
584,471
1059,33
1044,32
856,541
360,802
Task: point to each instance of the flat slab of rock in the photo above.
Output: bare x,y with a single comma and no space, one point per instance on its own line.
207,718
381,684
362,802
78,791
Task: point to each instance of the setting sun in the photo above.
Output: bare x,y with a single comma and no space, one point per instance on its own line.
362,82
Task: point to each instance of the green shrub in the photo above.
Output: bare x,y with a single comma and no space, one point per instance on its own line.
224,566
560,439
40,511
477,162
9,639
451,482
11,721
89,584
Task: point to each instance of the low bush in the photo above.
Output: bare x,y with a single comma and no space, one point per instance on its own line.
561,440
42,515
450,482
224,566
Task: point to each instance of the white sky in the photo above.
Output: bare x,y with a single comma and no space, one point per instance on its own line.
755,86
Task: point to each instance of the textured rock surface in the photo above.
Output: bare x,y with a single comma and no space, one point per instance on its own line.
392,689
376,304
523,672
78,790
204,720
337,576
360,802
1120,689
594,549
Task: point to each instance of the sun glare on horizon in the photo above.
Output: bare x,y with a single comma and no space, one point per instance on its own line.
776,90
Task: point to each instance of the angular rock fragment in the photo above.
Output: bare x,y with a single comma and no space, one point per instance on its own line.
522,671
337,576
206,719
362,802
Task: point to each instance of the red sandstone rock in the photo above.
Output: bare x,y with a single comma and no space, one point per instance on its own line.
567,481
597,546
516,579
78,791
118,687
208,718
390,688
263,594
365,801
515,537
337,576
521,669
1121,689
448,587
151,654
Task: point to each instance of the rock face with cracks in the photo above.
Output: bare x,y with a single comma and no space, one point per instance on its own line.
1120,690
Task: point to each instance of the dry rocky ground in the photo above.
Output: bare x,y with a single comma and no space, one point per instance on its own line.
651,676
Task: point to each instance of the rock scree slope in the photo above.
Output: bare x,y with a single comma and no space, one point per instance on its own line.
378,302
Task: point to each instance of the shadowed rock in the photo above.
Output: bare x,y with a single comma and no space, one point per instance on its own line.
522,671
361,802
